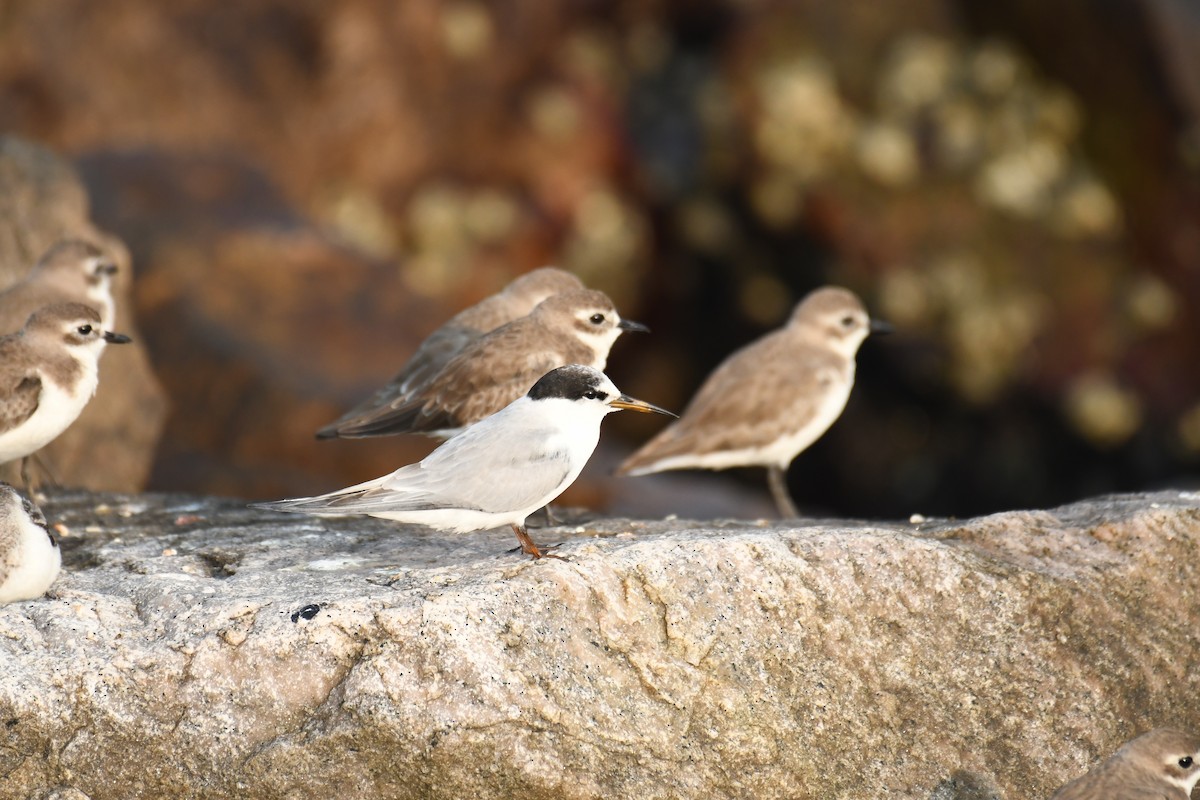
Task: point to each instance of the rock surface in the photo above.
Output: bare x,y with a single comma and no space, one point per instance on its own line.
111,445
195,648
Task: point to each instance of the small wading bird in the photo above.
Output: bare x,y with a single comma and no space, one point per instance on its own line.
48,373
574,327
771,399
499,470
29,555
72,271
515,301
1163,764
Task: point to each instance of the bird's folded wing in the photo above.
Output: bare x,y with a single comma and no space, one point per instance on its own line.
382,412
18,402
472,386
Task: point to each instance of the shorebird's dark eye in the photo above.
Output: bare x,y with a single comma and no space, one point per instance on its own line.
1185,762
847,321
84,330
597,319
593,394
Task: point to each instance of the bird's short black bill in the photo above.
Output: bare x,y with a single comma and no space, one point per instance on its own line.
879,327
633,404
116,338
630,325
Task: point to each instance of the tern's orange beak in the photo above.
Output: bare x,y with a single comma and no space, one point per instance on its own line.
633,404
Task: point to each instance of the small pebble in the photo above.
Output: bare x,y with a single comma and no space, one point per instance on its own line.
234,636
168,552
916,519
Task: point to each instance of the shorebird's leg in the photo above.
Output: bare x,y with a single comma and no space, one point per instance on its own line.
528,546
26,478
777,480
35,459
44,465
548,519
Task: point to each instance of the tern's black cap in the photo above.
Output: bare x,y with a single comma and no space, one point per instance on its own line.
570,382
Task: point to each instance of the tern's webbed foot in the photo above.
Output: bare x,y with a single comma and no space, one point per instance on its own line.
529,547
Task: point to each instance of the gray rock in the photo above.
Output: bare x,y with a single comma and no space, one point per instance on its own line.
196,648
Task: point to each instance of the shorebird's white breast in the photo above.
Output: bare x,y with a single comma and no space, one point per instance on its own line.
58,407
100,297
33,563
834,397
599,342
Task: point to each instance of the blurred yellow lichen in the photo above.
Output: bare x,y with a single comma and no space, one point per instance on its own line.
1105,413
705,225
490,215
959,126
776,200
554,113
1019,181
918,72
1087,208
887,153
445,227
990,339
592,53
989,323
805,126
904,298
358,218
1189,429
467,29
605,243
1057,113
435,218
1151,303
995,68
764,299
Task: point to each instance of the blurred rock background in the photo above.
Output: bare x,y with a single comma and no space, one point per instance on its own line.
307,188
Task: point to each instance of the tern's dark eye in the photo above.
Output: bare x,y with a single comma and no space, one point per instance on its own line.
1185,762
597,319
593,394
84,330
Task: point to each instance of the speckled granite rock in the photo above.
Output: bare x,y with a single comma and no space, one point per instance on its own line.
195,648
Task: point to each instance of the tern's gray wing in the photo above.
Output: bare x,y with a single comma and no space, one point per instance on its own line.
431,357
494,466
19,401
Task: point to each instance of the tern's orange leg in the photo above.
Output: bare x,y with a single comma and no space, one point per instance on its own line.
528,546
